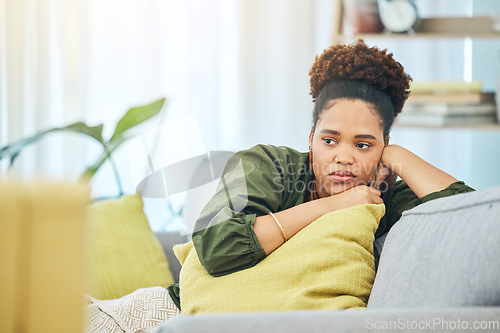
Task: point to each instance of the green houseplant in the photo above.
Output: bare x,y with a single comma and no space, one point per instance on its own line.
130,119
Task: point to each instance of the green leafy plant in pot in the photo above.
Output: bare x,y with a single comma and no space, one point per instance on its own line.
132,118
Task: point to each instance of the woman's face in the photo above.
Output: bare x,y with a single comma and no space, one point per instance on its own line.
347,145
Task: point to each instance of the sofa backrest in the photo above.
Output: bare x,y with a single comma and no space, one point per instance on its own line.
167,241
442,253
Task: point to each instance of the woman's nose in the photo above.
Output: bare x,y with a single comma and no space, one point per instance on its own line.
344,156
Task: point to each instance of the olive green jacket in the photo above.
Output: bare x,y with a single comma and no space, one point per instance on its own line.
267,179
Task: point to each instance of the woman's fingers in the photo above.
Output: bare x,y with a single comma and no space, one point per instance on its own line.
379,176
373,195
384,178
376,196
389,181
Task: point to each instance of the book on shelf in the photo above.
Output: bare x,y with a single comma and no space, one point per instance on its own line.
428,119
459,98
483,109
445,87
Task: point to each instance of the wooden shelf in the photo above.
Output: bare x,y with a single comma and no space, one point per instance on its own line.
416,36
476,27
429,28
479,127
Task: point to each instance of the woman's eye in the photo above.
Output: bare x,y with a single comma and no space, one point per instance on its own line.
328,141
362,145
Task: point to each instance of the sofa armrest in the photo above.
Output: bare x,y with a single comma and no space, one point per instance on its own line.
367,320
167,241
442,253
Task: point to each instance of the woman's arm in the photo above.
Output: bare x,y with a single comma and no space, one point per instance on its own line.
234,231
422,177
296,218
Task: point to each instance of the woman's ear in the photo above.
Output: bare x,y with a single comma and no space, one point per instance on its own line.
387,138
311,135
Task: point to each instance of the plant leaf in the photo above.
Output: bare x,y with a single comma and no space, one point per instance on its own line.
108,150
93,131
135,116
15,148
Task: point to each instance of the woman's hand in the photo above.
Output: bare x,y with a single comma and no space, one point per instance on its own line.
422,177
384,178
357,195
294,219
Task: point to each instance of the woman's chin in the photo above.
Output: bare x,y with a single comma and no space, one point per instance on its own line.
332,188
337,188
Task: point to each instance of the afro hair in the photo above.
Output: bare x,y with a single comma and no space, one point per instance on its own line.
365,64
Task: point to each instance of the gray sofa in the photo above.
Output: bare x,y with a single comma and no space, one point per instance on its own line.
438,270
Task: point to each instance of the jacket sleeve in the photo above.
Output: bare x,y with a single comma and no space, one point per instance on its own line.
251,185
401,198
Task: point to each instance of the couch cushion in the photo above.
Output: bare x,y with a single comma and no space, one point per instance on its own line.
42,270
125,255
378,245
327,265
449,320
443,253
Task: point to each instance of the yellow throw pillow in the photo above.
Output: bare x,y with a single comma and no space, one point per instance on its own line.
327,265
125,254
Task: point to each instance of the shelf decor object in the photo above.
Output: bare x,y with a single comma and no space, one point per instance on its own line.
477,27
399,16
362,16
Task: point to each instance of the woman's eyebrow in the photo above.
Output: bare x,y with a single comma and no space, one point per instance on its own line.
365,136
329,131
358,136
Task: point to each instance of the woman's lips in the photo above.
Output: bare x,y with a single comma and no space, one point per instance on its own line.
342,176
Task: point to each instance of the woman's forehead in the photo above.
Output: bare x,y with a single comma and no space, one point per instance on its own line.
352,117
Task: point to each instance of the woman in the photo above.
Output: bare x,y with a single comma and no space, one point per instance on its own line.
267,194
358,92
